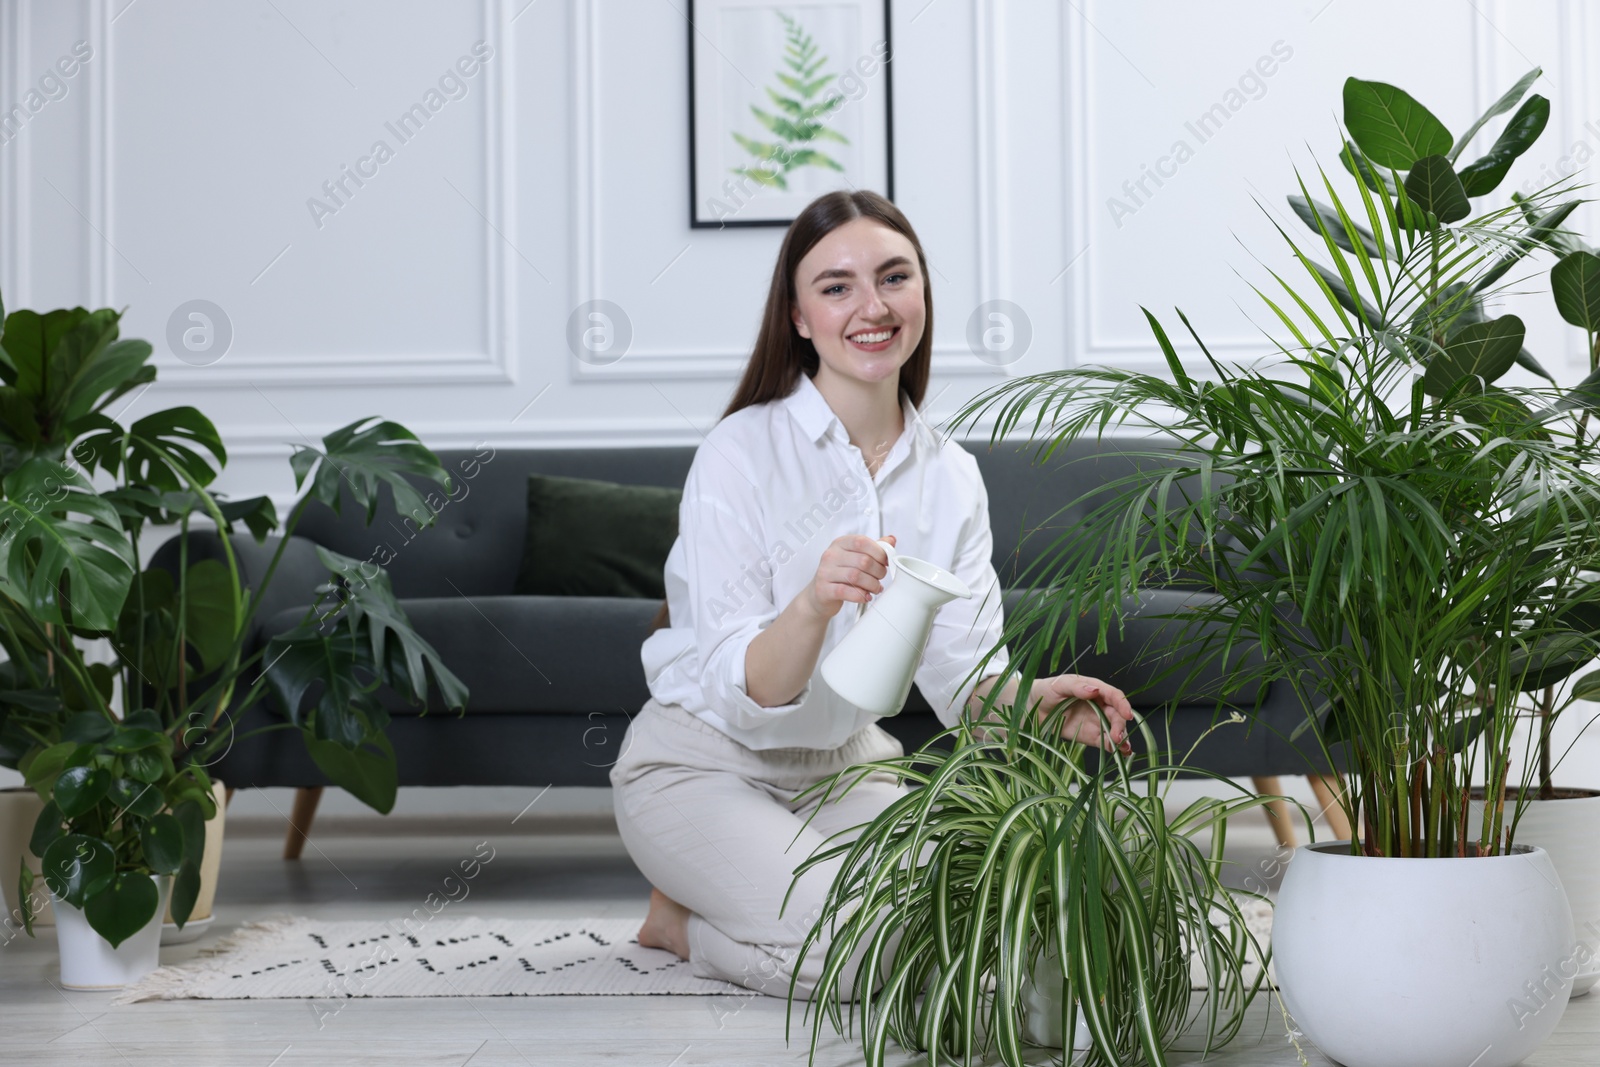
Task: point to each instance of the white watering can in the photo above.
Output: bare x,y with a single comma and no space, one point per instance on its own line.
873,666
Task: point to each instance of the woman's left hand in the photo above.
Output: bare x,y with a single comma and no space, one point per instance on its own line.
1089,696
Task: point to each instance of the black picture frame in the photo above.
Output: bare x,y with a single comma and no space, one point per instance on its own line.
703,216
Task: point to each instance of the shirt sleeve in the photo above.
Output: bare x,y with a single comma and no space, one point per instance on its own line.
729,579
965,630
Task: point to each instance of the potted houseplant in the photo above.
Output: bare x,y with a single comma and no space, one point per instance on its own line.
120,820
71,572
1011,856
1409,541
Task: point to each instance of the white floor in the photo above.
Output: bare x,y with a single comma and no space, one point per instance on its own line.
559,858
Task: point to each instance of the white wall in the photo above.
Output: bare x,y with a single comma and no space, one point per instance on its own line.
179,162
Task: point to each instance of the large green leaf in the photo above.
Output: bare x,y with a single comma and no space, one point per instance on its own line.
49,351
1507,101
77,865
339,661
1483,350
137,798
367,771
258,514
361,458
1483,174
161,450
185,892
78,789
124,907
162,838
1433,186
1575,284
62,568
211,607
117,369
1392,129
404,660
47,829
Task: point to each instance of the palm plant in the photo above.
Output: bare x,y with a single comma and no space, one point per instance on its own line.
1011,856
179,632
1408,540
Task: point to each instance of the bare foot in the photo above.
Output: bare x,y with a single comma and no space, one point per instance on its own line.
667,925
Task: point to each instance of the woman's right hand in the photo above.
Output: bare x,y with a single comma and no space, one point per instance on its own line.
850,569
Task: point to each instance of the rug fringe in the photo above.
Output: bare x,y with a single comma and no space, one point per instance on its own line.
172,982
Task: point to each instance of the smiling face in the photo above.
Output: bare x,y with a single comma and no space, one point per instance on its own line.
859,300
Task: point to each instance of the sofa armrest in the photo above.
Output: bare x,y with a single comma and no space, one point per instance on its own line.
293,584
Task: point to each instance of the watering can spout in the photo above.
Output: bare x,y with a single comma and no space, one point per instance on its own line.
875,663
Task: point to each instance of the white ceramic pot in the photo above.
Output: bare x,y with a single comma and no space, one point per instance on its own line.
1423,962
1041,1001
89,962
19,810
1567,829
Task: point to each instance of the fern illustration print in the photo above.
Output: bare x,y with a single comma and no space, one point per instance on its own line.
800,119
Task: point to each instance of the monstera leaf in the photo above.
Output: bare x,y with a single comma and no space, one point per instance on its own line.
66,570
160,450
343,728
363,458
404,660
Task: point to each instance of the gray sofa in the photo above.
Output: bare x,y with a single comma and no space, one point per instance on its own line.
555,680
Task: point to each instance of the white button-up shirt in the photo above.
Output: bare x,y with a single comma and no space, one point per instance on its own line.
770,488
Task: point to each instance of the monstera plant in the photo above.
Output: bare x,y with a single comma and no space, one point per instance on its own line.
121,679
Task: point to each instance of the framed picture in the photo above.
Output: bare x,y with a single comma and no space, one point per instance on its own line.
787,101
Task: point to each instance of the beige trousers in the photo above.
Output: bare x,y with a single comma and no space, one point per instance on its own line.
715,826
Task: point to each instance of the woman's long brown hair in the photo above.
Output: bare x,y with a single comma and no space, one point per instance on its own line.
781,355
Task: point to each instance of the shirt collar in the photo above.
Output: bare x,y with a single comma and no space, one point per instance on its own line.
810,410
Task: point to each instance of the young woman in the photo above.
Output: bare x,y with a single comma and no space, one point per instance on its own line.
822,451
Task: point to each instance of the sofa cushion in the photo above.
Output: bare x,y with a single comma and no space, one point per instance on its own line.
587,537
529,653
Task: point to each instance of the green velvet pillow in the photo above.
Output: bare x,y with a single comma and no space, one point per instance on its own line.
594,538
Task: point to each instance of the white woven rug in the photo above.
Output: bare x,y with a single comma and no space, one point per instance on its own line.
289,957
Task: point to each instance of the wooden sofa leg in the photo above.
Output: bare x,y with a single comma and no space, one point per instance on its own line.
1277,811
300,818
1325,787
227,796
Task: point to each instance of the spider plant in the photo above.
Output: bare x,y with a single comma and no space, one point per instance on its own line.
1010,857
1406,538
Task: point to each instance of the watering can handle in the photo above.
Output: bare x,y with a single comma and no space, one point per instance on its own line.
861,606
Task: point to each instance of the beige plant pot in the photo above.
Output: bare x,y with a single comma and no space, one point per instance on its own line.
19,810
